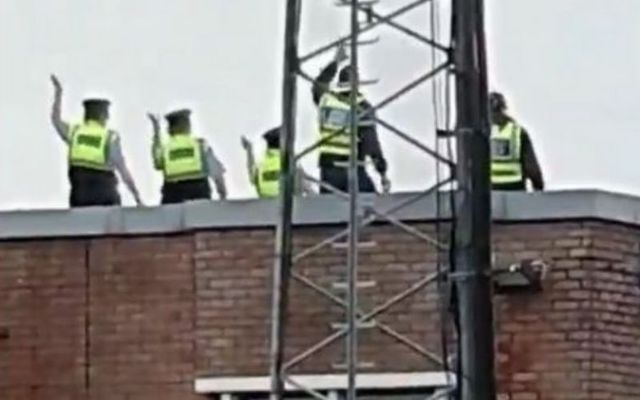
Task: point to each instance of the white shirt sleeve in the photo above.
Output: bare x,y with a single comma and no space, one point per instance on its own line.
117,162
215,168
116,158
65,135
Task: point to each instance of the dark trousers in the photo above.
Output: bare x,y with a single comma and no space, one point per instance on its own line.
179,192
93,188
510,187
339,179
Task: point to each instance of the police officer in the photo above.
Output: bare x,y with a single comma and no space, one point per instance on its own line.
186,162
334,108
265,176
94,154
513,159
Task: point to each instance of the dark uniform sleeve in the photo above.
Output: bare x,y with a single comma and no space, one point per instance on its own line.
323,80
530,165
370,143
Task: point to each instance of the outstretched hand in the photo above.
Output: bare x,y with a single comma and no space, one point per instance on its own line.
137,198
154,120
341,53
386,184
246,144
155,123
56,83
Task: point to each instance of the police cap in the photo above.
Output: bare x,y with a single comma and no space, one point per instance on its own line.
178,116
497,101
344,76
96,104
272,134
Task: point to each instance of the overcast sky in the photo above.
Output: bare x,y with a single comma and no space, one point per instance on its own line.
570,69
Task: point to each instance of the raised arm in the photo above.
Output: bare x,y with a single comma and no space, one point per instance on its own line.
60,126
323,81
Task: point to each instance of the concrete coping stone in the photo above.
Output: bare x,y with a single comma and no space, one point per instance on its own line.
308,211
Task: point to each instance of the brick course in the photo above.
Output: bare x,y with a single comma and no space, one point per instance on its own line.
141,317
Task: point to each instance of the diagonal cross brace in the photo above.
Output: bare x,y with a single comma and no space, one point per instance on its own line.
405,30
385,102
314,393
402,10
369,220
363,318
380,325
384,215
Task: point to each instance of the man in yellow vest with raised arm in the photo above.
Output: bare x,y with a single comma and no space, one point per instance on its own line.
334,110
265,176
94,154
186,162
513,159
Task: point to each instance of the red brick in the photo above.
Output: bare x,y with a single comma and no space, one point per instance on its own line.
570,242
166,309
566,305
525,396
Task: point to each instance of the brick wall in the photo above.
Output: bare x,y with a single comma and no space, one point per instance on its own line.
579,339
140,318
43,307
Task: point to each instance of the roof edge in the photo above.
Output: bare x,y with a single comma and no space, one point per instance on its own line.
315,210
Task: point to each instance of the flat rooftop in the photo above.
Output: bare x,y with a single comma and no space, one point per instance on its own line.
315,210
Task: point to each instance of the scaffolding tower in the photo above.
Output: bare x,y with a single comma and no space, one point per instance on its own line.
464,61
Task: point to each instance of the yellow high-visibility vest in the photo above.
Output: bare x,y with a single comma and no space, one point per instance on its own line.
334,120
182,158
89,146
267,179
506,163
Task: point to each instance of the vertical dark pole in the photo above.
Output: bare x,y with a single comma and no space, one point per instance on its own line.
354,226
473,261
283,246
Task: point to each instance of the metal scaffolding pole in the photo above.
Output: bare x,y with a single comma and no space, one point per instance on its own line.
354,223
356,220
472,240
284,245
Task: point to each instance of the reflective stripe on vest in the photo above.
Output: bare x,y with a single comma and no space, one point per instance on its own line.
268,175
334,120
89,146
183,158
506,165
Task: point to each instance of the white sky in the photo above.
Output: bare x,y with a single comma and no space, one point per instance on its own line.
570,68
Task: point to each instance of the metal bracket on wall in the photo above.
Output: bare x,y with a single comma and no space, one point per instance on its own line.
523,276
